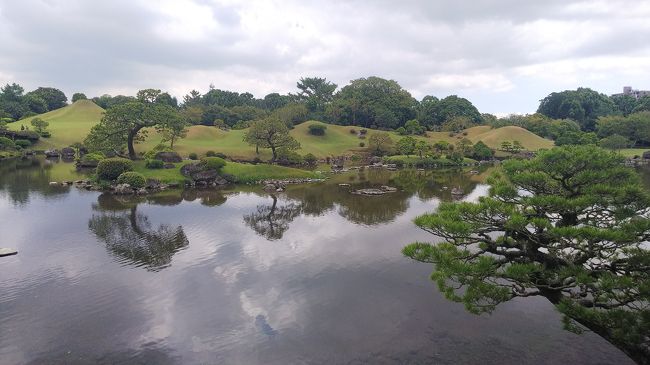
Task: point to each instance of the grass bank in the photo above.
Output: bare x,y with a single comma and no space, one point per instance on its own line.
416,161
245,173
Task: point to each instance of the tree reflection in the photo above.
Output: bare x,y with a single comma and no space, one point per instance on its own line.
130,235
271,221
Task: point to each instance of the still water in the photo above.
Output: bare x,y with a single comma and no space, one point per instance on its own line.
313,275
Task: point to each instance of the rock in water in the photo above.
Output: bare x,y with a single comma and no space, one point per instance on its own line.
7,252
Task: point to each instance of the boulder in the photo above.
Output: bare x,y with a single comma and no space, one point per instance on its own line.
123,189
646,155
68,152
52,153
168,166
270,188
169,157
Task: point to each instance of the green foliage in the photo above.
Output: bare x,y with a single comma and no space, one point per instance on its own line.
289,158
406,145
271,133
615,142
154,164
582,105
317,129
6,143
380,143
23,143
134,179
151,154
40,125
124,124
481,151
210,153
93,158
213,163
78,96
111,168
568,225
635,127
372,101
316,93
54,98
193,156
451,112
310,159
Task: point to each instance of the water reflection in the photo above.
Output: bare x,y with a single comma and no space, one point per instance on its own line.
271,220
130,235
21,177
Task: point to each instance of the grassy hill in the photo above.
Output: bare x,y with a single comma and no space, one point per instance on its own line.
72,123
68,125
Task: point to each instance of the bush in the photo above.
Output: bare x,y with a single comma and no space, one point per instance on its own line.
361,144
287,157
211,154
353,131
401,131
154,164
213,163
134,179
23,143
46,134
220,155
310,159
150,155
363,131
6,143
193,156
317,129
91,159
112,168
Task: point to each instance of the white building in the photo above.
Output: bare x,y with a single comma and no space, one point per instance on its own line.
627,90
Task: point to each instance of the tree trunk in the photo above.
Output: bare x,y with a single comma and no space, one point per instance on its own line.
129,142
274,154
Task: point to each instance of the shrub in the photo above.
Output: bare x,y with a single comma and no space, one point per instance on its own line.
111,168
401,131
361,144
193,156
363,131
6,143
353,131
288,157
220,155
46,134
211,154
154,164
91,159
241,125
23,143
134,179
213,163
310,159
317,129
150,155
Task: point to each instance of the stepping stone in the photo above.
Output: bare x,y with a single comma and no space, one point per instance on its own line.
7,252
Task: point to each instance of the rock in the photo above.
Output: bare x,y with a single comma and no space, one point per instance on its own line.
142,191
123,189
52,153
279,190
270,187
457,191
371,191
54,183
207,175
68,152
169,157
173,185
152,184
388,189
168,166
474,172
646,155
344,185
7,252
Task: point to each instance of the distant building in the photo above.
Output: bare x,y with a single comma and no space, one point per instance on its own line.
627,90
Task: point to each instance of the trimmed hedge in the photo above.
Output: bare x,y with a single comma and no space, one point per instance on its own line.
213,163
154,164
6,143
112,168
193,156
23,143
134,179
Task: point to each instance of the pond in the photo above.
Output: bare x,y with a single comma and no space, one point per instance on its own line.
311,275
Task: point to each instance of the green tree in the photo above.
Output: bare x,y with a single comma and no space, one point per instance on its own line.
506,146
291,114
406,145
316,93
54,98
465,147
270,133
569,226
481,151
78,96
39,124
643,104
516,147
124,124
454,107
582,105
421,148
372,102
380,143
614,142
173,130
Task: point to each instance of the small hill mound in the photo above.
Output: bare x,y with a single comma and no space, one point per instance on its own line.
68,125
529,140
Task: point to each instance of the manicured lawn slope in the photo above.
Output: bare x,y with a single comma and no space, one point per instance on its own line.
72,123
68,125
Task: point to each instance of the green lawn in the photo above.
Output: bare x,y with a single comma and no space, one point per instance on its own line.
72,123
631,152
245,173
68,125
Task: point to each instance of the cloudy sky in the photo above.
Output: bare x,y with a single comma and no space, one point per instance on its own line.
502,55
